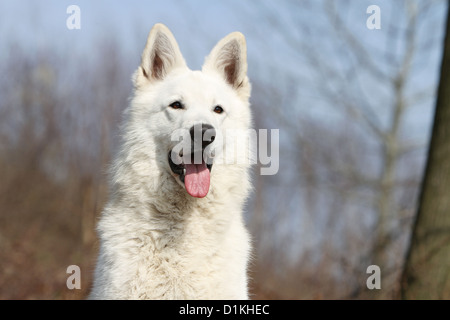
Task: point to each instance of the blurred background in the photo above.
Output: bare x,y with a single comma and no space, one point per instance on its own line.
354,107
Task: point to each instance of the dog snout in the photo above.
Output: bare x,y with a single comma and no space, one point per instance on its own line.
202,133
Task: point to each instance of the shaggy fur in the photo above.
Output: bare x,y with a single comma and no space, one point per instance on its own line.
156,240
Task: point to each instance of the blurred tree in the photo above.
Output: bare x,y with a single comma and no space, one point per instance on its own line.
351,163
427,268
58,115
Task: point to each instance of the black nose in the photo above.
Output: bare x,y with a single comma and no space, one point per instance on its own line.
202,133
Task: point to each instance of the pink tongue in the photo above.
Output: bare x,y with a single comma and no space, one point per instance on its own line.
196,180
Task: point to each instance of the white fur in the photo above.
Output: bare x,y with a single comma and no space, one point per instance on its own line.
156,241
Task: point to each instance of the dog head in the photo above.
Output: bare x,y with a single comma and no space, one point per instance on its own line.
186,113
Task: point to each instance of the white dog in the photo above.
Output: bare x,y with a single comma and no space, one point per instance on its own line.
173,229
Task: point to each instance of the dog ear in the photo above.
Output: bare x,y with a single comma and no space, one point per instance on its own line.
229,58
161,55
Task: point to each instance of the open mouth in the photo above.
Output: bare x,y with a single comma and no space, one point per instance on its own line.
193,172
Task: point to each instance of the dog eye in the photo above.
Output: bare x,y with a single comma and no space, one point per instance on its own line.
218,109
176,105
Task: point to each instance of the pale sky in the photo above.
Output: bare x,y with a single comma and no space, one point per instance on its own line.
199,24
